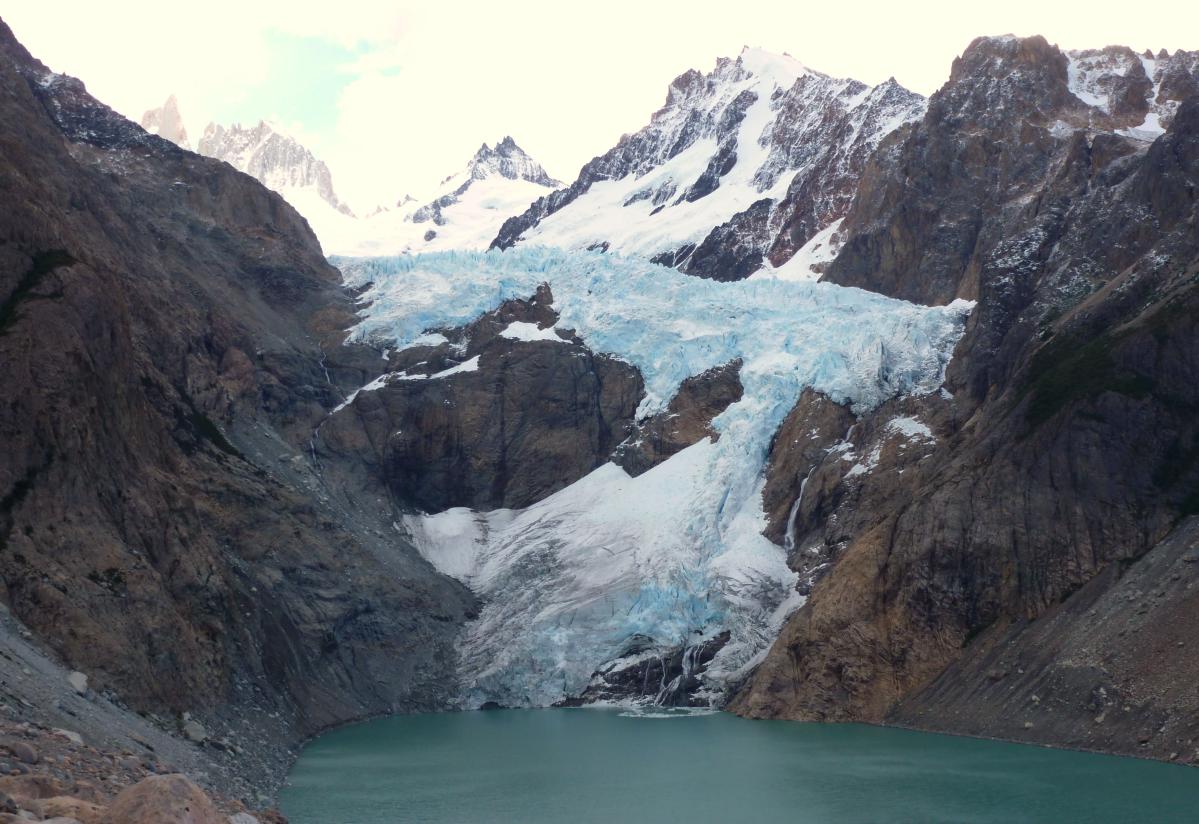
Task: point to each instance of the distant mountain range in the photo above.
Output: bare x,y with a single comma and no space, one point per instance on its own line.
465,212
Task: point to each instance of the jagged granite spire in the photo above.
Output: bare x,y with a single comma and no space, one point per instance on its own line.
167,122
277,160
510,161
506,160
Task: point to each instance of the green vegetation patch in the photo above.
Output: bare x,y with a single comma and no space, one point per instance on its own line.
1065,371
209,431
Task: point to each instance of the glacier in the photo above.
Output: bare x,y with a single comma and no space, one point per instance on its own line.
677,554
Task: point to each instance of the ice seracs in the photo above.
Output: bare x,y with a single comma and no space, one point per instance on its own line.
675,555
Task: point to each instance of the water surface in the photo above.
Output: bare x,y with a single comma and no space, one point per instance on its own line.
592,765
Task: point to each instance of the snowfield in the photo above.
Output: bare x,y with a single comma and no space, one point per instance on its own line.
472,222
676,554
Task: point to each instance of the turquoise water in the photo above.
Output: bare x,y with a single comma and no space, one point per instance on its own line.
589,765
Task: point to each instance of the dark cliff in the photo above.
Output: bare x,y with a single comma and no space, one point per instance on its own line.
992,571
164,321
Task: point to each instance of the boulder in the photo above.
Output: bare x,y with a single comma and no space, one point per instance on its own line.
68,807
195,732
164,799
72,736
24,752
78,682
24,788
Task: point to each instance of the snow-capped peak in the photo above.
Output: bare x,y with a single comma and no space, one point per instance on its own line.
507,160
782,68
760,143
275,158
465,212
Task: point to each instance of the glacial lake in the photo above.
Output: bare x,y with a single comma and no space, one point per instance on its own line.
590,765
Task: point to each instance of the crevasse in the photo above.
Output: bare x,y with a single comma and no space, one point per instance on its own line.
676,554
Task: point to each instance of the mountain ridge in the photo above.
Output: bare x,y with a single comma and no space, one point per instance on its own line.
465,211
725,168
1048,484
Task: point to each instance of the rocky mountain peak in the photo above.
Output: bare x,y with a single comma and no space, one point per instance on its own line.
1007,81
276,159
761,63
771,148
167,123
686,84
998,79
510,161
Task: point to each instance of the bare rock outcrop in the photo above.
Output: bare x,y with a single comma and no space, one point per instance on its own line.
170,335
686,420
486,420
1059,460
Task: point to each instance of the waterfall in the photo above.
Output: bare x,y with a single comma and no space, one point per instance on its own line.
667,692
789,539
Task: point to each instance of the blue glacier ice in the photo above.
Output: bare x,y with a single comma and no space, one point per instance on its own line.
676,554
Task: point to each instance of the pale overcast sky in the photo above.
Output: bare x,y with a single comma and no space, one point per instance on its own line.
395,96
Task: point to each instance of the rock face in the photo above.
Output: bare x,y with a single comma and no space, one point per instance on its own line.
277,160
749,161
453,425
167,123
686,420
810,431
972,574
169,338
984,150
1138,94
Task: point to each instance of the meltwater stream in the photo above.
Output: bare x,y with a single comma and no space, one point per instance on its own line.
591,765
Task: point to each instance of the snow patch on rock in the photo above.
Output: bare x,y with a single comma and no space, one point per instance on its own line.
523,330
